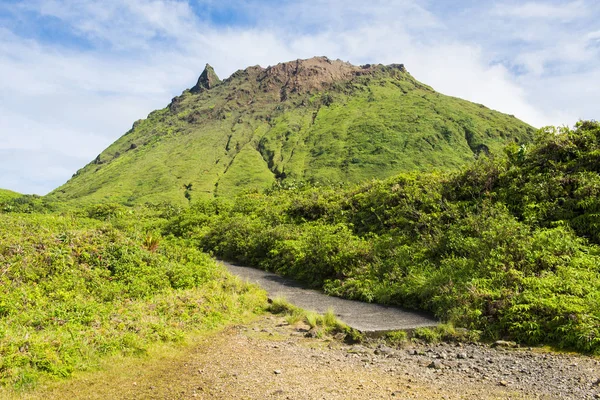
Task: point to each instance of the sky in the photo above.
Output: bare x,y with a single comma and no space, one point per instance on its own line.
76,74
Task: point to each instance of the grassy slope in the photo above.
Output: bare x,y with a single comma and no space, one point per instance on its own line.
75,290
8,195
373,126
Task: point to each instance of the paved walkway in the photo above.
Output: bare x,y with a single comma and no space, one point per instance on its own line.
365,317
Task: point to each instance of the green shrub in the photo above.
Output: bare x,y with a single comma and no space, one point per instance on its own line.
397,338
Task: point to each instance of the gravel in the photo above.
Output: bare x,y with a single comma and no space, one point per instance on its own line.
271,359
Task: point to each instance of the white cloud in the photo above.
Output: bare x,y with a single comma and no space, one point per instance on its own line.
542,10
593,36
64,104
124,24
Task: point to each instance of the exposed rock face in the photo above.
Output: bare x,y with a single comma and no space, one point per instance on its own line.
307,75
299,76
208,79
313,74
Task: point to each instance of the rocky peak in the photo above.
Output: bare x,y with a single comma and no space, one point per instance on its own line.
208,79
308,75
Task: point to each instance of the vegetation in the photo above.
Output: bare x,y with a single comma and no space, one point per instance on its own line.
6,195
252,129
507,246
321,324
75,289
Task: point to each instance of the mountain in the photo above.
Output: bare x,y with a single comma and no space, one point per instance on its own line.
316,120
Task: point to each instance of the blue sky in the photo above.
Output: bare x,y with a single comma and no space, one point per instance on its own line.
77,74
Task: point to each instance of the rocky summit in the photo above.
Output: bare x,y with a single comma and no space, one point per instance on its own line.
318,121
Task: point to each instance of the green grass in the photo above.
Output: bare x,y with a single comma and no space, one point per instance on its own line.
323,323
7,195
237,136
75,290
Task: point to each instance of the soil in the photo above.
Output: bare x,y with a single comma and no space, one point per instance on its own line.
271,359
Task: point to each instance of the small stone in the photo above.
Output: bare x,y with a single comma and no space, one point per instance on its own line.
384,350
503,383
312,333
277,372
436,365
461,356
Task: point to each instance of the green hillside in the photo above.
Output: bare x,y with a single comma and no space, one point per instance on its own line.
316,120
7,195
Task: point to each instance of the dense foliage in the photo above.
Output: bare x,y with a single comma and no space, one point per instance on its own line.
74,289
507,246
8,195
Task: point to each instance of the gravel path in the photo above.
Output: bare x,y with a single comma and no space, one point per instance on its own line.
271,359
365,317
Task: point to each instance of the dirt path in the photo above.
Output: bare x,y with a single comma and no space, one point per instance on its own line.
364,317
270,359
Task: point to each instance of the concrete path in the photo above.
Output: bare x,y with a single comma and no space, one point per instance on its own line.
365,317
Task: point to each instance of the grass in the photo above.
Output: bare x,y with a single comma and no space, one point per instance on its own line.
236,137
119,376
326,323
76,290
6,195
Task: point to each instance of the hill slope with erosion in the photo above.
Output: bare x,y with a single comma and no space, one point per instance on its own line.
315,120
